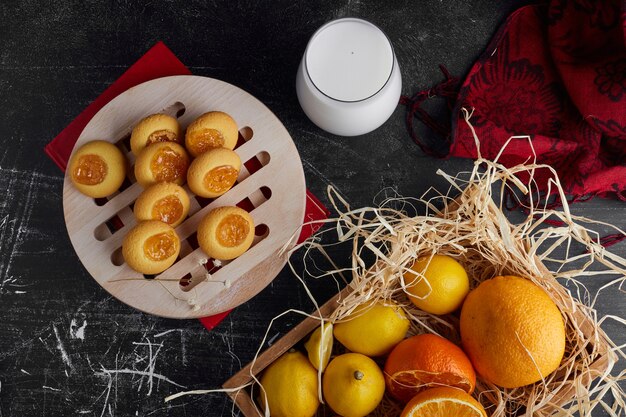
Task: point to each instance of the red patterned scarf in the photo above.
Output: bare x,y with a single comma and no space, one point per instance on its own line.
554,72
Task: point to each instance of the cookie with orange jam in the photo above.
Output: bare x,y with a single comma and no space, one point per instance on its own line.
162,162
151,247
155,128
226,232
214,172
211,130
97,169
164,201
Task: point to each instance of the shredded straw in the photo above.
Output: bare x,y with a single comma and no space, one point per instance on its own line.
552,247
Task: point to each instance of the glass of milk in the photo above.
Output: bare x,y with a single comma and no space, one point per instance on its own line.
349,82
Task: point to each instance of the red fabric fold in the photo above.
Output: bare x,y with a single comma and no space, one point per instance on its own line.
158,62
557,73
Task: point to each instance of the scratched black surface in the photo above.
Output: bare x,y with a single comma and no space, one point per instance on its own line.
62,338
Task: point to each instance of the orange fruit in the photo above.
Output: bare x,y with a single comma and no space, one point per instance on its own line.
443,402
425,361
512,331
437,284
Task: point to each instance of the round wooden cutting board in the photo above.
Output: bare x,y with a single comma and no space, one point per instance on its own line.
270,185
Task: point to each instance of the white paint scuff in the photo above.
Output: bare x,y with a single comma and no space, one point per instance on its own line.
77,332
64,355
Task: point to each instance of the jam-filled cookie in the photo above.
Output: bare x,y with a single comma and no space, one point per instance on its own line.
162,162
151,247
214,172
97,169
164,201
226,232
155,128
212,130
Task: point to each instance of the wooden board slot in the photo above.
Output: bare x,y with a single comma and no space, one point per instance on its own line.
117,258
124,143
126,183
261,230
189,282
246,133
176,110
253,165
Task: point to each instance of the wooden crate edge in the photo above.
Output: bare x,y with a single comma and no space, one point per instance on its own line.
241,397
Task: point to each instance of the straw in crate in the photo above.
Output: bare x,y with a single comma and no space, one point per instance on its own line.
472,228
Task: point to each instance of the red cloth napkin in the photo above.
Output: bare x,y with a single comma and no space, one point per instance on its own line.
158,62
555,72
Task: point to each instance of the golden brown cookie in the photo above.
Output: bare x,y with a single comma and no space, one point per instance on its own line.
163,201
151,247
162,162
155,128
214,172
211,130
226,232
97,169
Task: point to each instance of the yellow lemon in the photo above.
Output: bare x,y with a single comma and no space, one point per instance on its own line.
320,345
290,387
437,285
373,330
353,385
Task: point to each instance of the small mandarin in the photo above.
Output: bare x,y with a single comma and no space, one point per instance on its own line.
427,360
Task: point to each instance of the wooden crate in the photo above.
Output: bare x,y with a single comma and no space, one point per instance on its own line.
598,340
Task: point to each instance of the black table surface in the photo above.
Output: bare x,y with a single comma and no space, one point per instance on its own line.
61,334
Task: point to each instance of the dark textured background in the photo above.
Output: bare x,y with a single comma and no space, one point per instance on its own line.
60,333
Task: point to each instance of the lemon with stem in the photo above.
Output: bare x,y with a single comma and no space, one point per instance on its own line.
353,385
